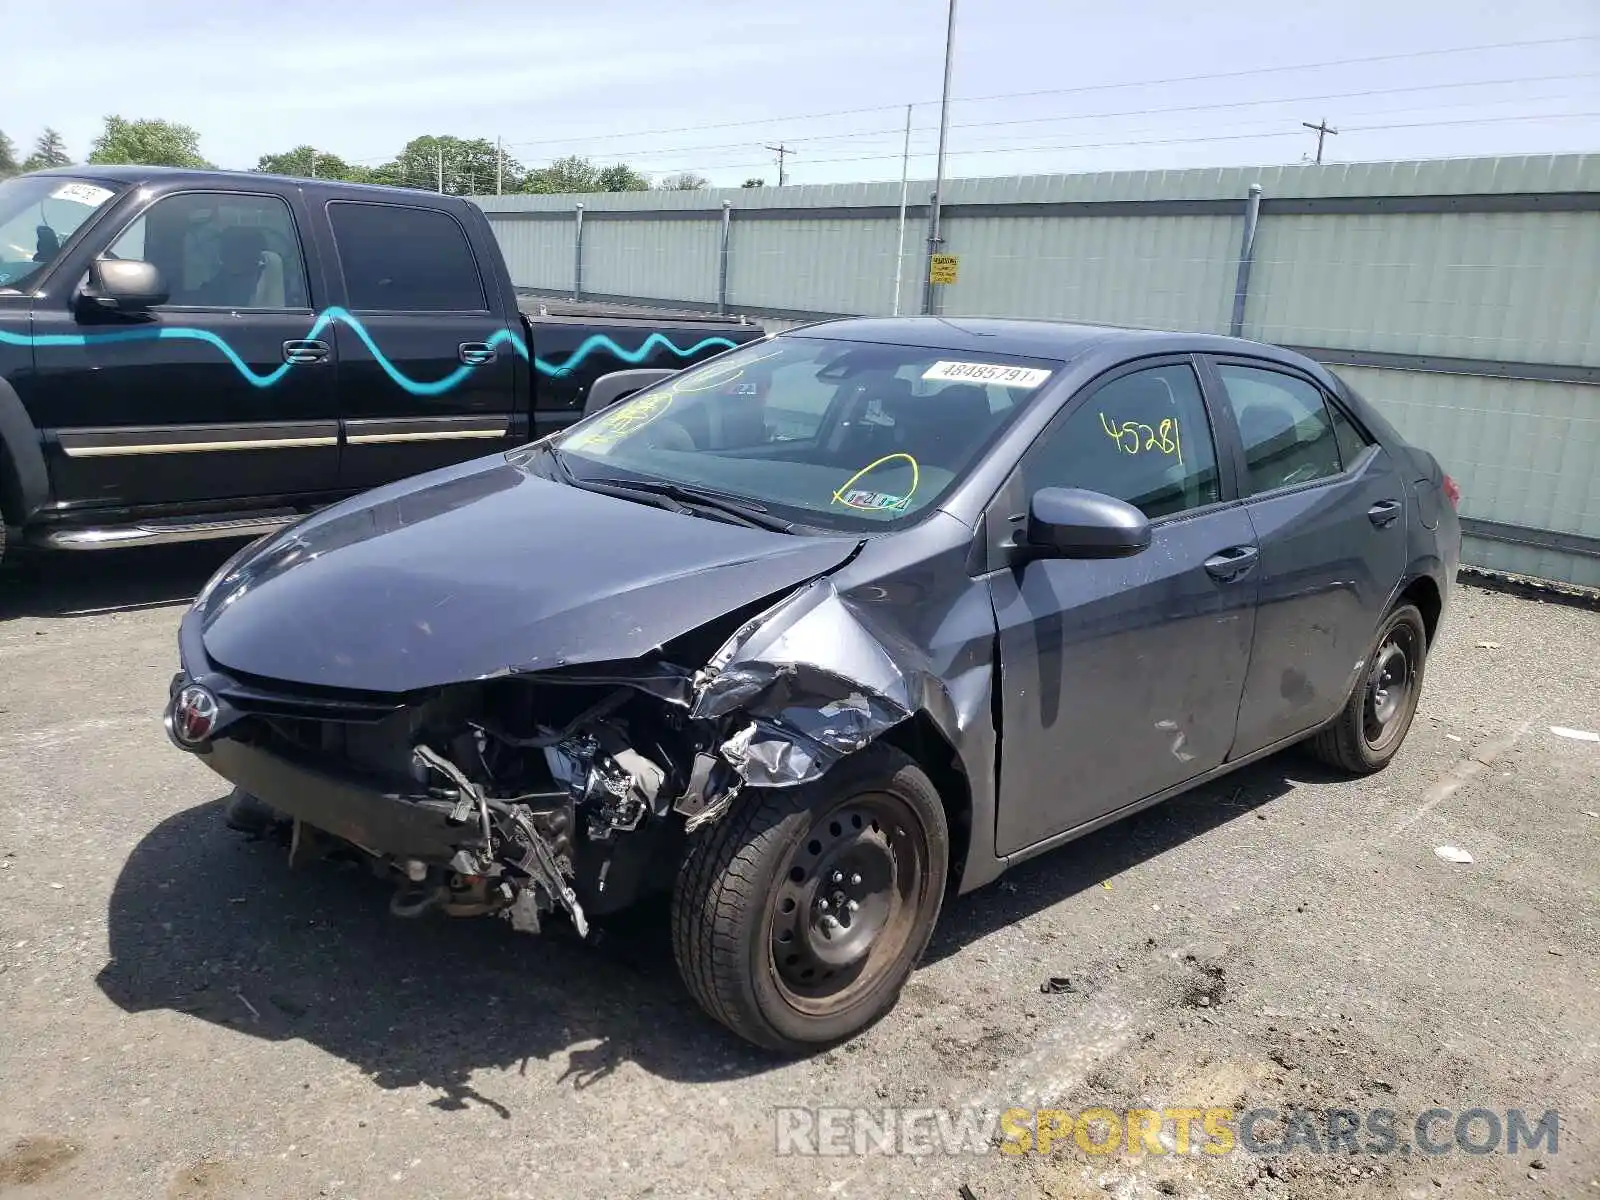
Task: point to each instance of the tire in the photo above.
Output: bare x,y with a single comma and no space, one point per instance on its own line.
1371,727
756,890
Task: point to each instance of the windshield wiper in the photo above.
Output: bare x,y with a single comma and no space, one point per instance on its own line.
736,508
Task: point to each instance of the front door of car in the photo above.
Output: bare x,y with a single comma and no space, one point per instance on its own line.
1327,504
1120,678
427,369
214,395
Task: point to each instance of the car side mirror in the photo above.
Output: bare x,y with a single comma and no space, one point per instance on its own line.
121,285
1074,523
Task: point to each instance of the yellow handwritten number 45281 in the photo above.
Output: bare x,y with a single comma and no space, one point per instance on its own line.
1135,437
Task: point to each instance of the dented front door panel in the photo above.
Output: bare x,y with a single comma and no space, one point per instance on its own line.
1119,678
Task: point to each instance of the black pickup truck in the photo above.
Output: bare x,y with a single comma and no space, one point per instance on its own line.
202,354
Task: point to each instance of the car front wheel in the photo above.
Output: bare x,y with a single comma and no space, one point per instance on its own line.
1368,732
797,917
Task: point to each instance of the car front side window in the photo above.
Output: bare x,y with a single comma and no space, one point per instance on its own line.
1142,437
220,250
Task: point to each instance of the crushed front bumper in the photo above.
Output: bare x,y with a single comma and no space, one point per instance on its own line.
362,809
404,826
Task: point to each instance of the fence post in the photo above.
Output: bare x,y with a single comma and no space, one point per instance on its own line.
1247,253
577,255
722,258
930,290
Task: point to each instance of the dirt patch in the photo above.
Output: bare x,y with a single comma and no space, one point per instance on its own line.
34,1159
207,1179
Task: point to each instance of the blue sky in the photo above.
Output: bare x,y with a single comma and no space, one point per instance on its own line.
693,85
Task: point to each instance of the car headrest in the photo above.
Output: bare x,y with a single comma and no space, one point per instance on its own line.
1260,424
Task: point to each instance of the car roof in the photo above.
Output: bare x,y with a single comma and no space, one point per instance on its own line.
1060,340
122,174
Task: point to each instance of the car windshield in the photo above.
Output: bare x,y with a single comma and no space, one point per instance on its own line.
38,213
820,432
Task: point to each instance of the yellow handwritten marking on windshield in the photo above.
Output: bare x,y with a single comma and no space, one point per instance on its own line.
716,377
1135,437
627,418
841,497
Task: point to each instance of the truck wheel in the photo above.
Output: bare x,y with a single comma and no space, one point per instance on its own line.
1374,721
798,916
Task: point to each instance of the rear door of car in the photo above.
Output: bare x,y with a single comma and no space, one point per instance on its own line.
1121,678
427,368
1328,506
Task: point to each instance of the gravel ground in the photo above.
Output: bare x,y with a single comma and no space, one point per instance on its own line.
180,1016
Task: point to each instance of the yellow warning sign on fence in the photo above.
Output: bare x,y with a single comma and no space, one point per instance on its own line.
942,268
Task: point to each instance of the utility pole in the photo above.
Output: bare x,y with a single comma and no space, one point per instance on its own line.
499,167
441,170
905,175
929,295
1322,129
313,164
781,151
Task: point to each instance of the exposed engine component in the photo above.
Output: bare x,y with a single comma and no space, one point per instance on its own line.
516,853
615,784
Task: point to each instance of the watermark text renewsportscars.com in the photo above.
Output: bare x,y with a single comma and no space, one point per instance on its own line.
841,1132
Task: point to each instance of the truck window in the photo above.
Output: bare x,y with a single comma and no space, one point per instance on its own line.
221,250
38,213
397,258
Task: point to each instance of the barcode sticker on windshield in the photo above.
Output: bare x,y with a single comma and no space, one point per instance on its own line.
82,193
995,373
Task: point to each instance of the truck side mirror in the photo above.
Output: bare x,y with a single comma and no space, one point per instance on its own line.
122,285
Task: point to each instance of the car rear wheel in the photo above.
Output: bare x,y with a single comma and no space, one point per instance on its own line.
797,918
1375,720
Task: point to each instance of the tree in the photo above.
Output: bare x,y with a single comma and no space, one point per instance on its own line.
754,182
309,162
571,174
685,181
49,151
148,143
468,165
621,178
8,157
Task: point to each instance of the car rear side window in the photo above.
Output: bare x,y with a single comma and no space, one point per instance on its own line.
1289,437
398,258
1351,440
1143,438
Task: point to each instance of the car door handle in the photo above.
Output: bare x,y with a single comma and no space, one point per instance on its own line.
475,354
1228,565
1384,512
304,350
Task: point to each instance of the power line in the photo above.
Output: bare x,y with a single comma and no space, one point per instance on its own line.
1187,140
1204,132
1152,111
1087,88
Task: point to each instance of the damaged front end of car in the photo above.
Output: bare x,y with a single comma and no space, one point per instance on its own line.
552,790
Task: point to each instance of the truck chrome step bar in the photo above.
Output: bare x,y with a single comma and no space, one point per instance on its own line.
156,533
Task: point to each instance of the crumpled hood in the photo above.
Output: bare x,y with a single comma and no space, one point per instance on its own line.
481,569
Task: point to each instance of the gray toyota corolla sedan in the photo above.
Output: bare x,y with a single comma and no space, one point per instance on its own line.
808,637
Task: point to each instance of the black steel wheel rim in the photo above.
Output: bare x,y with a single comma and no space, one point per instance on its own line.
1391,684
846,901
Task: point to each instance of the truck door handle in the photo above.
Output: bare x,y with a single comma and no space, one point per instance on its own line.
1228,565
304,350
475,354
1384,512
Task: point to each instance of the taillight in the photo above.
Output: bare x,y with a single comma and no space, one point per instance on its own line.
1453,490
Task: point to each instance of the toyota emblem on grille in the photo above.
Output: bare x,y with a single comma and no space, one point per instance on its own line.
194,715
